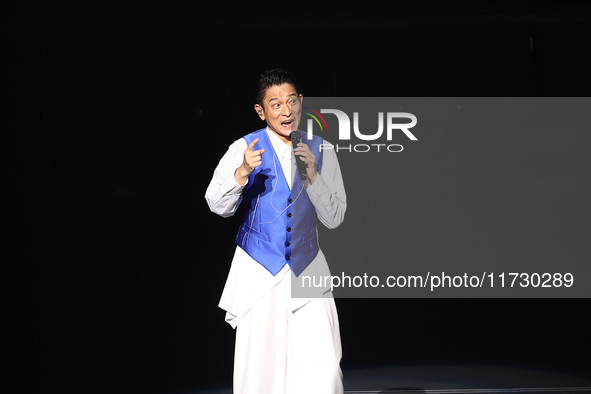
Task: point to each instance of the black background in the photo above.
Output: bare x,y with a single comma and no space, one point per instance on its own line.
116,116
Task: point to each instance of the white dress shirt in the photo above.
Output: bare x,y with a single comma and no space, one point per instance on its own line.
248,281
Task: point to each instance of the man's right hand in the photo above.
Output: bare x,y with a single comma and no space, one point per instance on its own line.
252,159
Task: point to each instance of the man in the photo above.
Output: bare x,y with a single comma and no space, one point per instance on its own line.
283,344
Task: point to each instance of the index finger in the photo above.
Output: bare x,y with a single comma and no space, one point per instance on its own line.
252,144
301,146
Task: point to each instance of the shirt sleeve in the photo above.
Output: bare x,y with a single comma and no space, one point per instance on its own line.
327,193
224,194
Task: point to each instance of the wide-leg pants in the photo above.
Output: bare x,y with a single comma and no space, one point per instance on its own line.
283,352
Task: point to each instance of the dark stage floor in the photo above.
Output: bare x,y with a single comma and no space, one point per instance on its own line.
432,378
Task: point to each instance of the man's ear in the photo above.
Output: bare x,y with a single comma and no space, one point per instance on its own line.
301,96
259,111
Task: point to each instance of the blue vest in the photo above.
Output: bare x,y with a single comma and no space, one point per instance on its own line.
279,225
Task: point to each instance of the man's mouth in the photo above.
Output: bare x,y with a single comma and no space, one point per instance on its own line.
287,123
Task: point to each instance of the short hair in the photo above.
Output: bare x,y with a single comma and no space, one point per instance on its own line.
273,77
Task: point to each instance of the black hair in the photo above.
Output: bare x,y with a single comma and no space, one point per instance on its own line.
273,77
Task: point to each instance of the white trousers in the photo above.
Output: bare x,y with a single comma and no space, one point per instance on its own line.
283,352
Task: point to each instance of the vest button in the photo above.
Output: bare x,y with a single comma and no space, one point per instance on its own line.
287,244
289,215
290,200
287,257
289,229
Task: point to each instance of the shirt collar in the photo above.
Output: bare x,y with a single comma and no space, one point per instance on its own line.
281,148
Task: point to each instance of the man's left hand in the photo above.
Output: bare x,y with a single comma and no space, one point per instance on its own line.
303,151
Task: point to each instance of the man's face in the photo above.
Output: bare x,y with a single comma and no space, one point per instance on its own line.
281,109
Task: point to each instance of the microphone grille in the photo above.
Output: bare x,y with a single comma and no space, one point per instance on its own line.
295,137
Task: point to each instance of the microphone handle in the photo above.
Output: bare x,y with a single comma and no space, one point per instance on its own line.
301,168
296,139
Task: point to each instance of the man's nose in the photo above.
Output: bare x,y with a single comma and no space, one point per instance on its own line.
286,110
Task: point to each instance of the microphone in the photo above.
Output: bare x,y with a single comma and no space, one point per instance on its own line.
296,138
